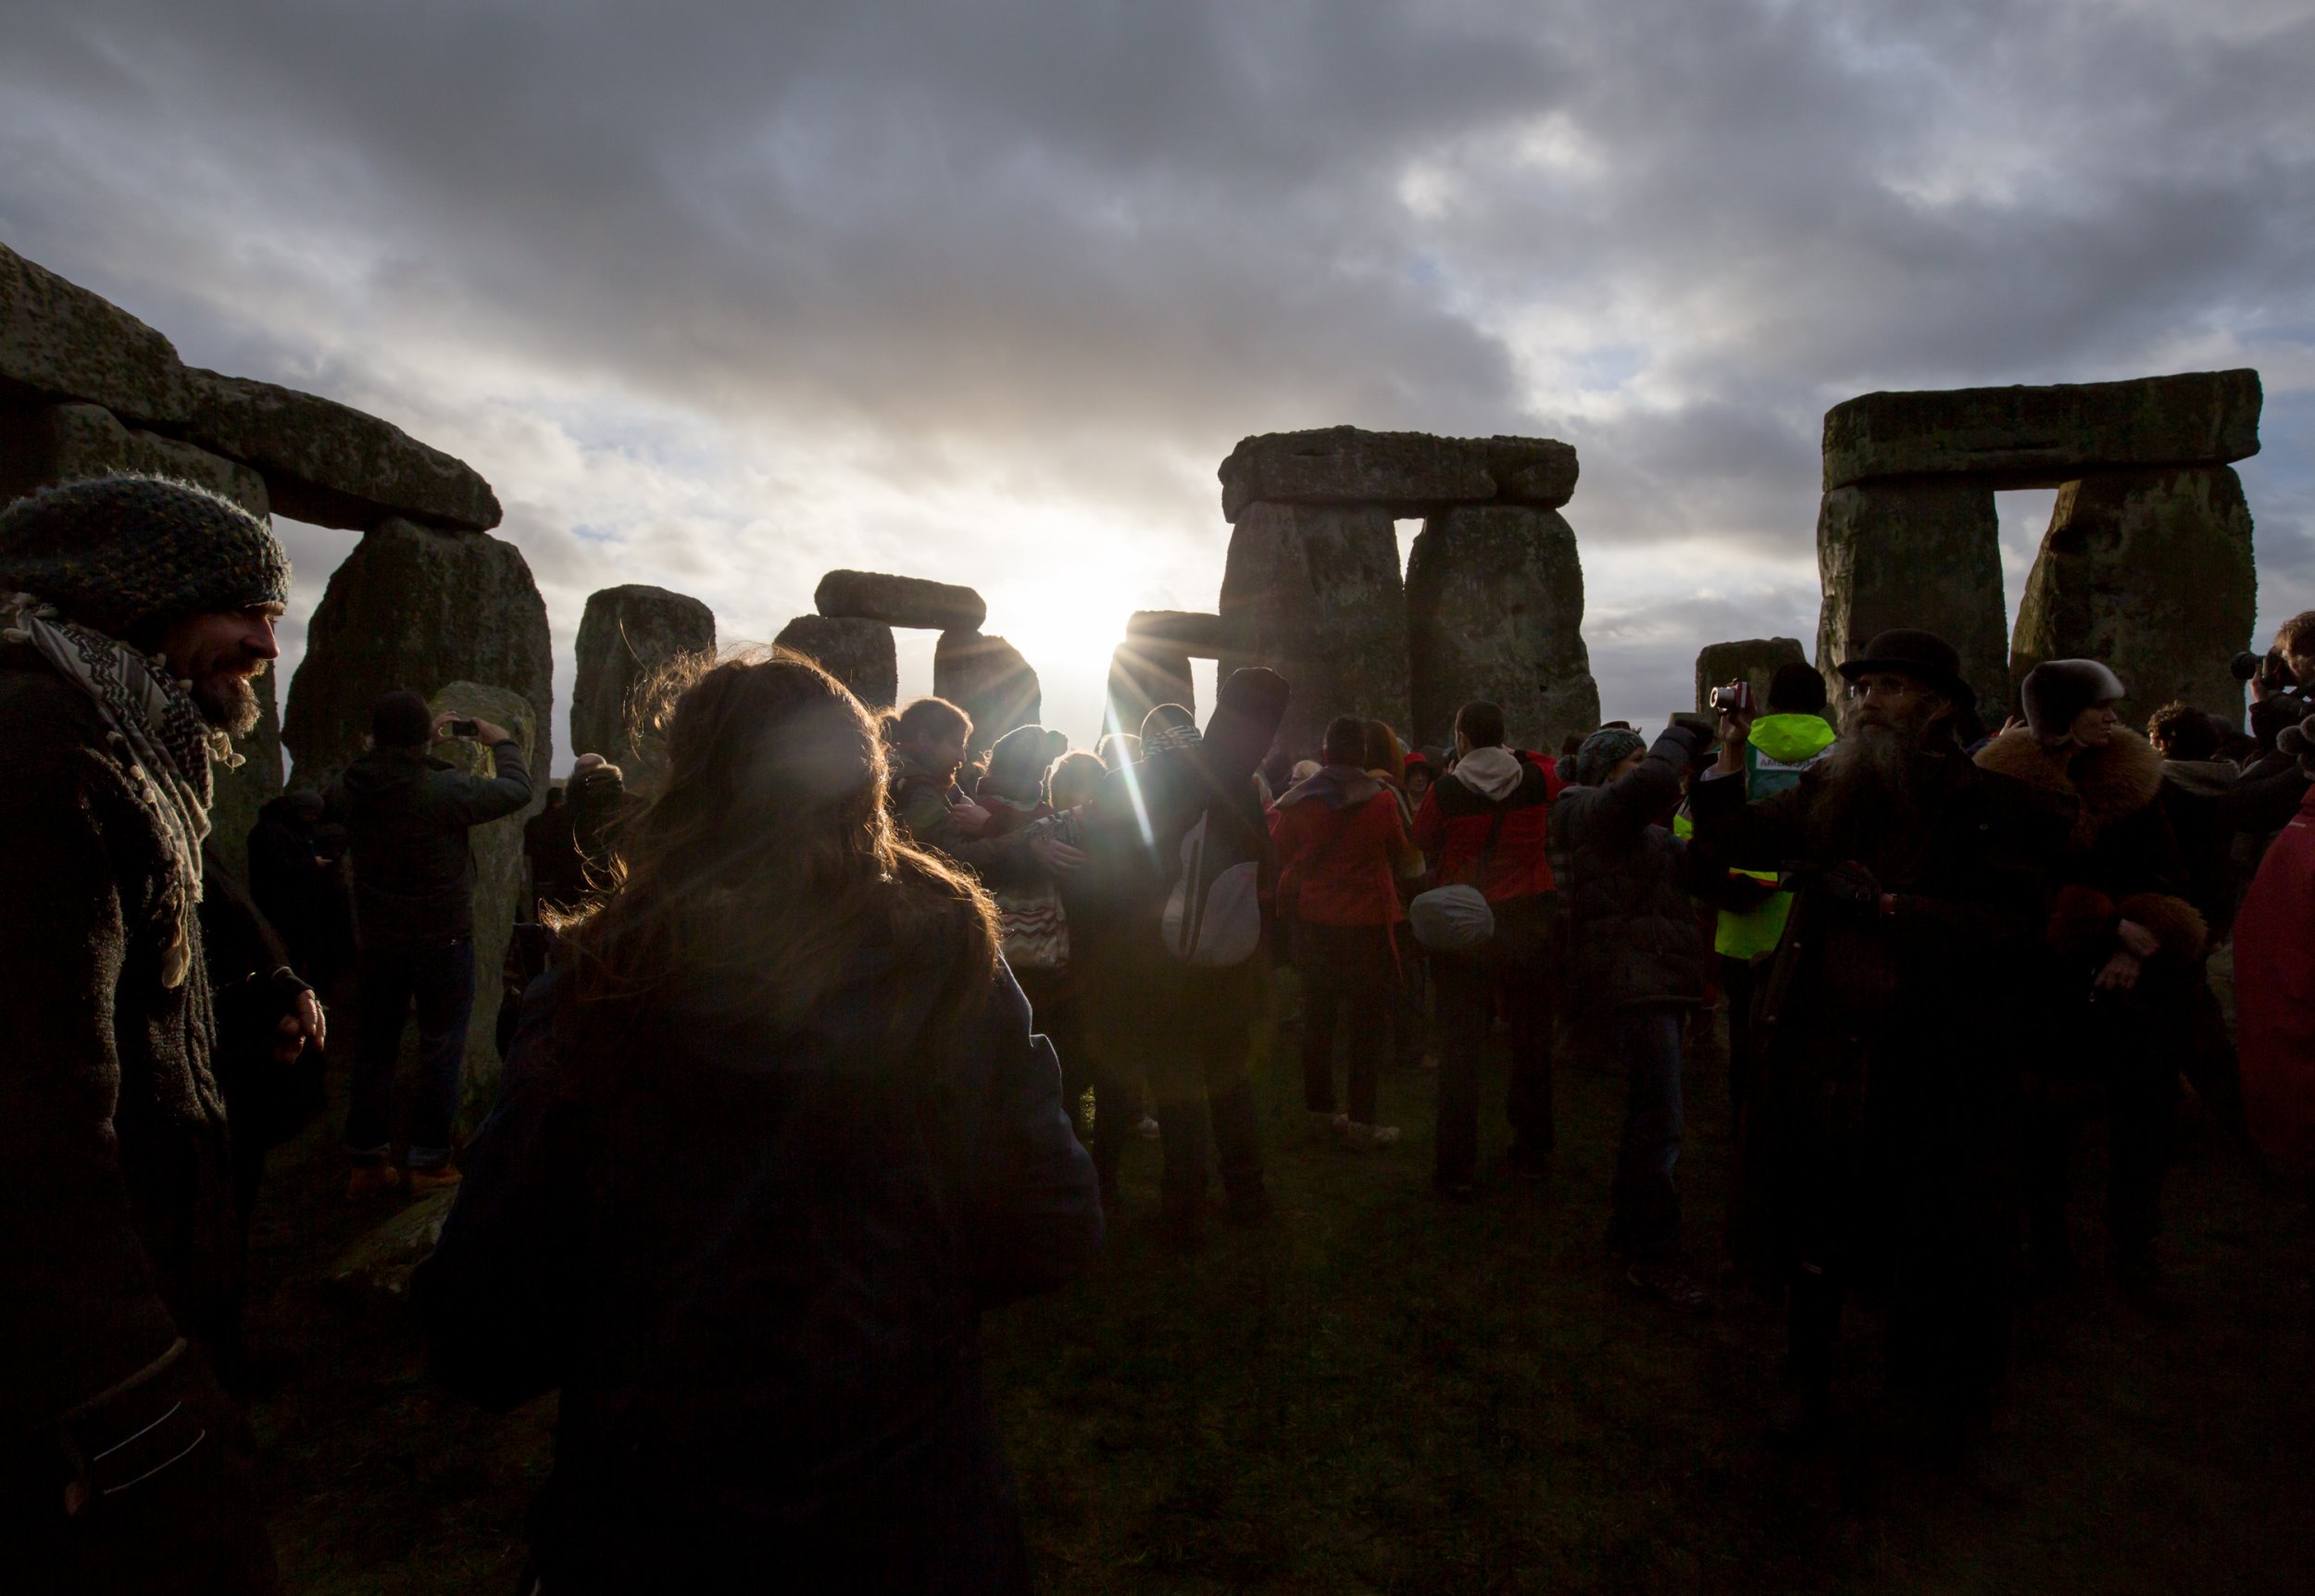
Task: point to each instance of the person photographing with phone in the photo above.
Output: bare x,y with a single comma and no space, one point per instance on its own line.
406,817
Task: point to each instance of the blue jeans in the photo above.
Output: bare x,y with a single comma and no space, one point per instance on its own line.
440,982
1644,1216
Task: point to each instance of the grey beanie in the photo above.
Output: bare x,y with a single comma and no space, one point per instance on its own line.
121,553
1602,752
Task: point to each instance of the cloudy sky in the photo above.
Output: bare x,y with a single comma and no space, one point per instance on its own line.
721,295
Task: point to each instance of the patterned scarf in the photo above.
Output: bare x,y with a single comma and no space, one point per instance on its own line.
156,728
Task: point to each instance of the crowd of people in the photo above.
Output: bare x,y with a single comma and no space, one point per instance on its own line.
840,1035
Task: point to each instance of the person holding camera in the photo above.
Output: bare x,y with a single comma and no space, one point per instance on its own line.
1637,949
1877,1146
406,818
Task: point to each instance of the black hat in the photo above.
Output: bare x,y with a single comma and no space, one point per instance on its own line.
2058,690
121,553
1924,655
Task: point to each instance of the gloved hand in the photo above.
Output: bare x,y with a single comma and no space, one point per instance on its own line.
1851,886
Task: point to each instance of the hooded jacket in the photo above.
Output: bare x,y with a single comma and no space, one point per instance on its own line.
1341,845
406,817
1459,812
755,1272
2274,996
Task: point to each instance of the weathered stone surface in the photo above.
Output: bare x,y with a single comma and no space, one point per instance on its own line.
1925,554
860,654
900,601
332,464
2042,437
1410,473
626,635
43,444
1176,631
59,340
986,677
2152,572
1755,660
239,793
1142,676
414,607
1314,594
497,872
1494,610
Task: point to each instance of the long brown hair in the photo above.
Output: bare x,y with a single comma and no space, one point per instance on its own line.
768,861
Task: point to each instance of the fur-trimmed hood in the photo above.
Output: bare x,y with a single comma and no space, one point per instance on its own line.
2104,784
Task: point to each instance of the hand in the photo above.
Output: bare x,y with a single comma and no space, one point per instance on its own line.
2120,974
971,819
1057,857
303,1025
1853,886
2015,723
486,733
1734,729
2139,941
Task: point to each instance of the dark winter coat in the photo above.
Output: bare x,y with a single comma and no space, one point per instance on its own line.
1881,1137
2212,805
1635,938
406,818
920,805
291,884
756,1273
118,1242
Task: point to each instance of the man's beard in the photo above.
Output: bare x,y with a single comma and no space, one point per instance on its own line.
1871,787
228,699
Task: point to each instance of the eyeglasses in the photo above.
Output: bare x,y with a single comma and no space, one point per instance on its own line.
1895,687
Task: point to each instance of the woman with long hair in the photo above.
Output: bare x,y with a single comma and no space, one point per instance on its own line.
774,1132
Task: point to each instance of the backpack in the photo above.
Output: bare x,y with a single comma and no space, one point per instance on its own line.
1215,923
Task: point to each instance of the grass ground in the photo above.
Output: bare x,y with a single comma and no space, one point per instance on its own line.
1383,1393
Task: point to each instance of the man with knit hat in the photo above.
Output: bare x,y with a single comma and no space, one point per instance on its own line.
1877,1141
138,613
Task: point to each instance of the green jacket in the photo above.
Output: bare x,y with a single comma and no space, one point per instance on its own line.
1779,748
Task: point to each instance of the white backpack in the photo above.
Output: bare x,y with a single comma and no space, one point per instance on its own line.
1213,924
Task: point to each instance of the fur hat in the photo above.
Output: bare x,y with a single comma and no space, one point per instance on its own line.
2058,690
121,554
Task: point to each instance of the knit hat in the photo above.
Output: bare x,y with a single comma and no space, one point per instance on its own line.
121,553
401,719
2058,690
1602,752
1166,728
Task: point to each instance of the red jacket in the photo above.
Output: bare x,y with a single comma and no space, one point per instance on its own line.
1452,826
2274,996
1337,865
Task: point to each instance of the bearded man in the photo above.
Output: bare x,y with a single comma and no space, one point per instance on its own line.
138,613
1879,1147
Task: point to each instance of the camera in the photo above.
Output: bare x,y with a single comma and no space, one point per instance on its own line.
463,729
2268,667
1733,699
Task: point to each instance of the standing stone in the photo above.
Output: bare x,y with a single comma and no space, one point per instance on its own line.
59,340
1494,610
1314,594
900,601
1141,677
497,849
415,607
1755,660
2150,571
626,635
241,792
44,444
859,653
1925,554
987,679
